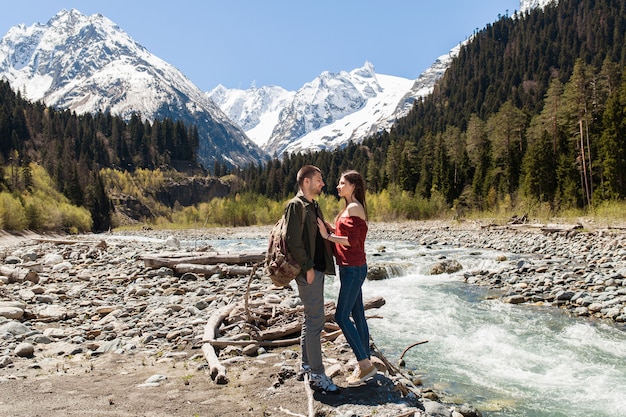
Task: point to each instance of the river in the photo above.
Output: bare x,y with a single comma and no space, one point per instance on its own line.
506,360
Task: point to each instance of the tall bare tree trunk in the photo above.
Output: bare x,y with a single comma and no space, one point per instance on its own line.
583,161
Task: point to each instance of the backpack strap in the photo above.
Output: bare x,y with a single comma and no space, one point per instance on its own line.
299,201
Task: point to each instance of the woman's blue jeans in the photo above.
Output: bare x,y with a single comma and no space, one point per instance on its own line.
350,303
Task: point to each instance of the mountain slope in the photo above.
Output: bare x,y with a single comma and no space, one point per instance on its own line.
325,113
332,109
88,64
256,110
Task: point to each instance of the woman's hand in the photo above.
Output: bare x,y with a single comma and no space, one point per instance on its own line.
323,228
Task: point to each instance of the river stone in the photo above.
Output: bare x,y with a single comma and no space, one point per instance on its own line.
14,327
386,270
54,332
5,361
172,243
62,266
52,312
13,313
376,273
38,289
467,410
436,409
104,310
515,299
30,256
155,379
24,350
45,299
251,350
52,259
564,295
12,260
446,266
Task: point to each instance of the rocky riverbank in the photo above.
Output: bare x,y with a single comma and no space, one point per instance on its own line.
579,268
92,330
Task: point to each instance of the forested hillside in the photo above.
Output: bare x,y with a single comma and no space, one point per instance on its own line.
531,113
72,149
531,116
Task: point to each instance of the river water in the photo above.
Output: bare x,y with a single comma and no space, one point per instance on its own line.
504,359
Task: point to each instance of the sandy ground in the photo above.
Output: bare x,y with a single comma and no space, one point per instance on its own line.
113,385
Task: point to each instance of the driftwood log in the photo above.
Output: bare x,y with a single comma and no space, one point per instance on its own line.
100,243
222,269
171,260
218,371
283,328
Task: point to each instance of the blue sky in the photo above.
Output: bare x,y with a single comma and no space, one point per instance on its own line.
240,43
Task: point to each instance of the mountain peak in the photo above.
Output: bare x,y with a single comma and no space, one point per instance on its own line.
366,71
325,113
88,64
68,20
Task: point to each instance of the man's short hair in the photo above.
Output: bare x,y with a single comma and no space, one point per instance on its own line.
307,171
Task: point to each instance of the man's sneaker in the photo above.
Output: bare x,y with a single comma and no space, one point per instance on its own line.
322,383
359,376
304,369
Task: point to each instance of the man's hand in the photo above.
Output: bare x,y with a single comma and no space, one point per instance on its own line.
310,276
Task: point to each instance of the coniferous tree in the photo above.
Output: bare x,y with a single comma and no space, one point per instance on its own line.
613,145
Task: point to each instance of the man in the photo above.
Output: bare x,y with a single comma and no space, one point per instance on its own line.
314,255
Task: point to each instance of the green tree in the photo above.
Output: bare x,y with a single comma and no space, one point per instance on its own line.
577,116
613,145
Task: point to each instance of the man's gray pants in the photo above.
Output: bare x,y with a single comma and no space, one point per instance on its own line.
312,296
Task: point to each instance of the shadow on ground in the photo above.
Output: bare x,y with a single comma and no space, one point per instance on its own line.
380,390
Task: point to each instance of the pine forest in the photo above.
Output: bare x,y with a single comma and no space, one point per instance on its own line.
531,116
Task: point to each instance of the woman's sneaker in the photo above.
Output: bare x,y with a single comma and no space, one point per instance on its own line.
359,376
304,370
322,383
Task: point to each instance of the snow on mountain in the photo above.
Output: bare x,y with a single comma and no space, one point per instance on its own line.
88,64
255,110
333,109
527,5
337,108
425,83
324,114
329,111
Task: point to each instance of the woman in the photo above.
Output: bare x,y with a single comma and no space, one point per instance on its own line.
348,236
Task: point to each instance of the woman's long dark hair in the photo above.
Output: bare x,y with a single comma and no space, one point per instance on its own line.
356,179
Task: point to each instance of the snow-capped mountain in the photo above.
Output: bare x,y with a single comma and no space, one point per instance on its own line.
255,110
333,109
329,111
88,64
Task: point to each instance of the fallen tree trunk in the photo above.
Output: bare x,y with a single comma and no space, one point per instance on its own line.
169,261
376,302
278,332
227,270
197,269
68,241
264,343
218,371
